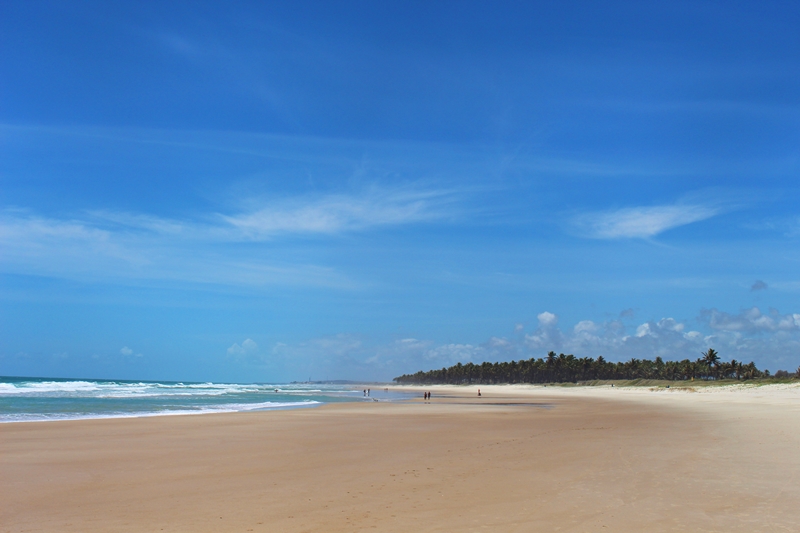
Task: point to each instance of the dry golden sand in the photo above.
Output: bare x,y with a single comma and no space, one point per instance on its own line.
596,460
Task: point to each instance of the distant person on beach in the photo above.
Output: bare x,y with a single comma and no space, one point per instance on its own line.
479,393
368,392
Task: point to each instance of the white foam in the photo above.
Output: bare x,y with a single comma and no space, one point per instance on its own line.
28,387
126,390
222,408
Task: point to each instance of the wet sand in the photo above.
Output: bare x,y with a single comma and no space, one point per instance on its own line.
517,459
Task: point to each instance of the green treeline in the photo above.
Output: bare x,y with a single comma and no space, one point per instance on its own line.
568,368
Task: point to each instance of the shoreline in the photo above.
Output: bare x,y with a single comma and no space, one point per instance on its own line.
298,405
43,400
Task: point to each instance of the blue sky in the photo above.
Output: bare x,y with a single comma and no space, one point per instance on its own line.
253,191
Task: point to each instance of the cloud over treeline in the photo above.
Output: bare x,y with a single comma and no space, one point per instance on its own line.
770,339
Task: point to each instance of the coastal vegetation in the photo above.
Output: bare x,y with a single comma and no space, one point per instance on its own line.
563,368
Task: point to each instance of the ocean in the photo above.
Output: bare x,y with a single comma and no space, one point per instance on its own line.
24,399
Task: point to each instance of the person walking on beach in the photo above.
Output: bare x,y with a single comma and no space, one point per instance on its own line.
479,393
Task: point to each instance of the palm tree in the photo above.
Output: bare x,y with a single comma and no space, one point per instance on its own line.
710,358
736,369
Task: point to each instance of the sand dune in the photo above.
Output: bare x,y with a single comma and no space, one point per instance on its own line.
517,459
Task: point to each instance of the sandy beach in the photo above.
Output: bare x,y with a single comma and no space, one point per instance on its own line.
516,459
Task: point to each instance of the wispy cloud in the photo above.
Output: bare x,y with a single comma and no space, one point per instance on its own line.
28,239
212,247
339,213
786,226
90,250
112,221
641,222
306,215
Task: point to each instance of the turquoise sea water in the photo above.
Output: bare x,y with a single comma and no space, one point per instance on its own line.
40,399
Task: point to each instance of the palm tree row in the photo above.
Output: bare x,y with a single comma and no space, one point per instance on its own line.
570,369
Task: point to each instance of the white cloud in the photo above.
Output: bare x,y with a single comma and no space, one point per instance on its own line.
127,352
585,327
670,324
643,330
248,347
547,319
641,222
752,321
